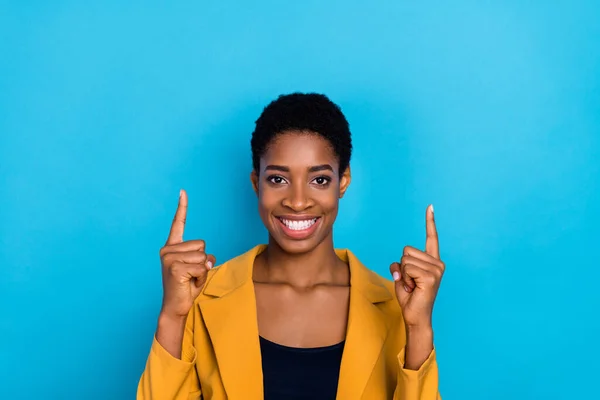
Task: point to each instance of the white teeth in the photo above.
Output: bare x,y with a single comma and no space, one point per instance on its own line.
299,225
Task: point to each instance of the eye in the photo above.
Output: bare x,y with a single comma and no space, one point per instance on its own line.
322,180
276,179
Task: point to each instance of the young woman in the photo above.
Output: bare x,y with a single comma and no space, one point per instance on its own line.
296,318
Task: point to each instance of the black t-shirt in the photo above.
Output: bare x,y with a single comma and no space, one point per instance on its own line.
293,373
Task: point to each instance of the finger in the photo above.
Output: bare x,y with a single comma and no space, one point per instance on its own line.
188,271
198,271
395,271
420,276
437,267
190,245
178,226
401,279
432,246
421,255
211,261
401,288
407,281
188,257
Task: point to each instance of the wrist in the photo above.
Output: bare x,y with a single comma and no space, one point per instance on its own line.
169,333
419,345
419,338
422,331
167,319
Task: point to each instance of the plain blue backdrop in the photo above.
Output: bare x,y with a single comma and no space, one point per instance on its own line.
489,110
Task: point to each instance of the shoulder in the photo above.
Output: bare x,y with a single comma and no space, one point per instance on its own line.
230,275
391,306
388,302
378,289
391,312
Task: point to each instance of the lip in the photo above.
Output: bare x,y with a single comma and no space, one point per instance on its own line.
297,217
294,234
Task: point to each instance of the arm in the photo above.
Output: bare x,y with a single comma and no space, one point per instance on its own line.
170,333
170,372
417,279
417,368
419,345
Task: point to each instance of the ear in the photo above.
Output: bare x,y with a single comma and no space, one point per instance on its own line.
345,181
254,180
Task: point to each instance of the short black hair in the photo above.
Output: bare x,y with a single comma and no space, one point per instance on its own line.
309,112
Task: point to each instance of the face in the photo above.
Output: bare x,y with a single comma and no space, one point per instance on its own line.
299,188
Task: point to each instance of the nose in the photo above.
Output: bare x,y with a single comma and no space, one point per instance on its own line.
297,198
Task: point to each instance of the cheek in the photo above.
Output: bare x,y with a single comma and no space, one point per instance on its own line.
328,200
266,199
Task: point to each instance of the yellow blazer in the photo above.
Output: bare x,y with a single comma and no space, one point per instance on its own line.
221,351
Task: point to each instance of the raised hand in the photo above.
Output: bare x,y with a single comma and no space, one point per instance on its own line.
185,267
418,277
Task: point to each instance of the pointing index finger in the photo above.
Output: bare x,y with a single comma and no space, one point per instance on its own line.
432,246
178,226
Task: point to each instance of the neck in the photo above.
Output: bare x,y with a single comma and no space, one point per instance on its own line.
320,266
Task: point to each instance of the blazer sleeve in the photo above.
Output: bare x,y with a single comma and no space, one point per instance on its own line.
417,385
167,377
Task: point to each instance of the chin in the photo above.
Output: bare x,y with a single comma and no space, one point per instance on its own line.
296,246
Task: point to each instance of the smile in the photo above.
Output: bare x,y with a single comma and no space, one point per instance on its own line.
298,229
298,225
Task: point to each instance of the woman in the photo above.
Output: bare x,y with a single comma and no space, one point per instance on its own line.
296,318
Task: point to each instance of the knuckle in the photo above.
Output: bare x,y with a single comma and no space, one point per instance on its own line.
167,258
175,269
163,250
430,279
194,272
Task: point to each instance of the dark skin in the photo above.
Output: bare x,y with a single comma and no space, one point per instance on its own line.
302,287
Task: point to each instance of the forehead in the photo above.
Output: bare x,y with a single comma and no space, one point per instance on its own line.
301,149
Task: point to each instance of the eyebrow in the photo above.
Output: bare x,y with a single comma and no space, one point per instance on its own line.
316,168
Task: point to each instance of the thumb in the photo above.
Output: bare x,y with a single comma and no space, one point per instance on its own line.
399,284
211,261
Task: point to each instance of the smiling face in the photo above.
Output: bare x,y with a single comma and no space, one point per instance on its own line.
299,187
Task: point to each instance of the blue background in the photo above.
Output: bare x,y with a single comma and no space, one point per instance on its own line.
489,110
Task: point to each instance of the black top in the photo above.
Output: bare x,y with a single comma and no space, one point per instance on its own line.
293,373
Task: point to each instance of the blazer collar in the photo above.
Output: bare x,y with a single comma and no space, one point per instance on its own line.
238,271
229,312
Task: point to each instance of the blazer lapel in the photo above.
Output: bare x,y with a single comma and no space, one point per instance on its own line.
230,318
229,313
366,331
